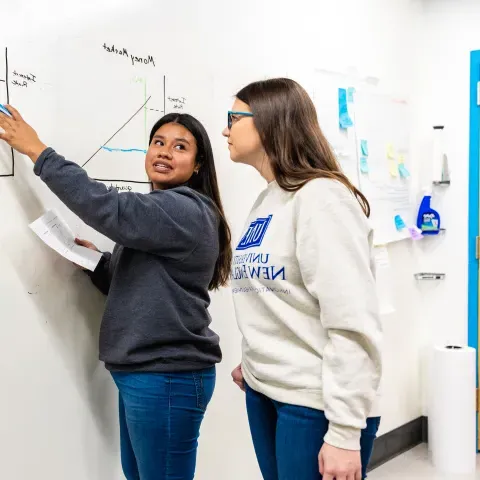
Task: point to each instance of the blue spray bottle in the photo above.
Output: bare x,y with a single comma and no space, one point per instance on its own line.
428,220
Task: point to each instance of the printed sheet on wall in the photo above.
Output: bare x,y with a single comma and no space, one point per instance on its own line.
369,133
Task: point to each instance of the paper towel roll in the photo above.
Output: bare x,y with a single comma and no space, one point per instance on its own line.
452,412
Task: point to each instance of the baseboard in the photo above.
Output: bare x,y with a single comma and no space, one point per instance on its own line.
398,441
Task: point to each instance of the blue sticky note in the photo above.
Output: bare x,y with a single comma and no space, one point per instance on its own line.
399,223
402,169
364,147
4,110
344,119
350,93
364,164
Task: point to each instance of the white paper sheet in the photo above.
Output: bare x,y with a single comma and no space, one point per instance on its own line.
54,232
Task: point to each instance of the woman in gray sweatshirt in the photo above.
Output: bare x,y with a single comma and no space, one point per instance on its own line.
172,247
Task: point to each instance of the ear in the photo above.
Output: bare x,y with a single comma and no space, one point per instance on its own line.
198,164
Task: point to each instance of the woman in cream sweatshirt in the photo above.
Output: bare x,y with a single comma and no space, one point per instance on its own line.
304,291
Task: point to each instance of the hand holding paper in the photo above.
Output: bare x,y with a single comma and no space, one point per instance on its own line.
57,235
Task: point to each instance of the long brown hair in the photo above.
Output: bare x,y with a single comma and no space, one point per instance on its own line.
287,123
206,183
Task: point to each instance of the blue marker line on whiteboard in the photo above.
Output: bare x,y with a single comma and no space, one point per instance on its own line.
123,150
4,110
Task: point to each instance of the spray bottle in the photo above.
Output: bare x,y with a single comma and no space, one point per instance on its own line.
428,220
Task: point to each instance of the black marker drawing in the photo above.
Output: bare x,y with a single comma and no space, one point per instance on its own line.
5,81
118,131
126,149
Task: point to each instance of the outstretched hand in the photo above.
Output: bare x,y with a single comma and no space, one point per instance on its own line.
20,135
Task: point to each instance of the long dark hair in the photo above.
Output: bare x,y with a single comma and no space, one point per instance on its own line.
287,123
205,182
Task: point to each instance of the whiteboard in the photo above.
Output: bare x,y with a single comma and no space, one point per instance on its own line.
90,105
95,106
122,93
381,126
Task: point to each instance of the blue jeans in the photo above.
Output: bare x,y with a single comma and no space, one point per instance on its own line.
288,438
160,418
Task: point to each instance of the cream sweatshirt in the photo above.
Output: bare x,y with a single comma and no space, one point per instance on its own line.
303,284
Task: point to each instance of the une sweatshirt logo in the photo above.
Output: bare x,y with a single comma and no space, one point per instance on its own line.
255,233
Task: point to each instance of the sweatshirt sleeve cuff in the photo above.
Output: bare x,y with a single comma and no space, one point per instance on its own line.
101,264
37,169
339,436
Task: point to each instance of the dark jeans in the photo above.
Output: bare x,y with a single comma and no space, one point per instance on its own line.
160,418
288,438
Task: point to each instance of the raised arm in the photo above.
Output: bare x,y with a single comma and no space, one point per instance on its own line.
163,222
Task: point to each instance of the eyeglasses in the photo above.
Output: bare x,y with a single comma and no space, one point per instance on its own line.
233,117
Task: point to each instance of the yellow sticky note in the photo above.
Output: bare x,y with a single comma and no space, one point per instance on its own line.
390,152
401,159
393,168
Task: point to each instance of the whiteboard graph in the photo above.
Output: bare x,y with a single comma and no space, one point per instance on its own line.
120,159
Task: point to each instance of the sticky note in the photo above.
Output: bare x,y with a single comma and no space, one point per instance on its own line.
364,164
390,152
399,223
402,169
393,168
350,93
344,119
415,233
364,147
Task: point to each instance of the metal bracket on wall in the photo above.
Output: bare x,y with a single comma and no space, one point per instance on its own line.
429,276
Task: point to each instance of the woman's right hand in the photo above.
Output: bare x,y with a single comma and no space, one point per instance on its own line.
237,376
86,244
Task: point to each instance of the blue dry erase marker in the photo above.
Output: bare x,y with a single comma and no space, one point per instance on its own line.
4,110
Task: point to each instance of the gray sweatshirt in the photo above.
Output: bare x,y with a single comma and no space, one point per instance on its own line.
156,280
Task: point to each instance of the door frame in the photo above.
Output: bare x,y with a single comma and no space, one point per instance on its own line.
473,212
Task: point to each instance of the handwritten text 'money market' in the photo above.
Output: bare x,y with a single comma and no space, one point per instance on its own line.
123,52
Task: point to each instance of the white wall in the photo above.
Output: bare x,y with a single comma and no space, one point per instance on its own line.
449,33
58,405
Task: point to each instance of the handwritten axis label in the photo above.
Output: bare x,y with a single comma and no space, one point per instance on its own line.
178,103
121,188
23,79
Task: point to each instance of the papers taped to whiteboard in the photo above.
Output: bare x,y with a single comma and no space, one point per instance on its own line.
55,233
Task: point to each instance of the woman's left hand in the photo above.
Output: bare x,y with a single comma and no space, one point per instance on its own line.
20,135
